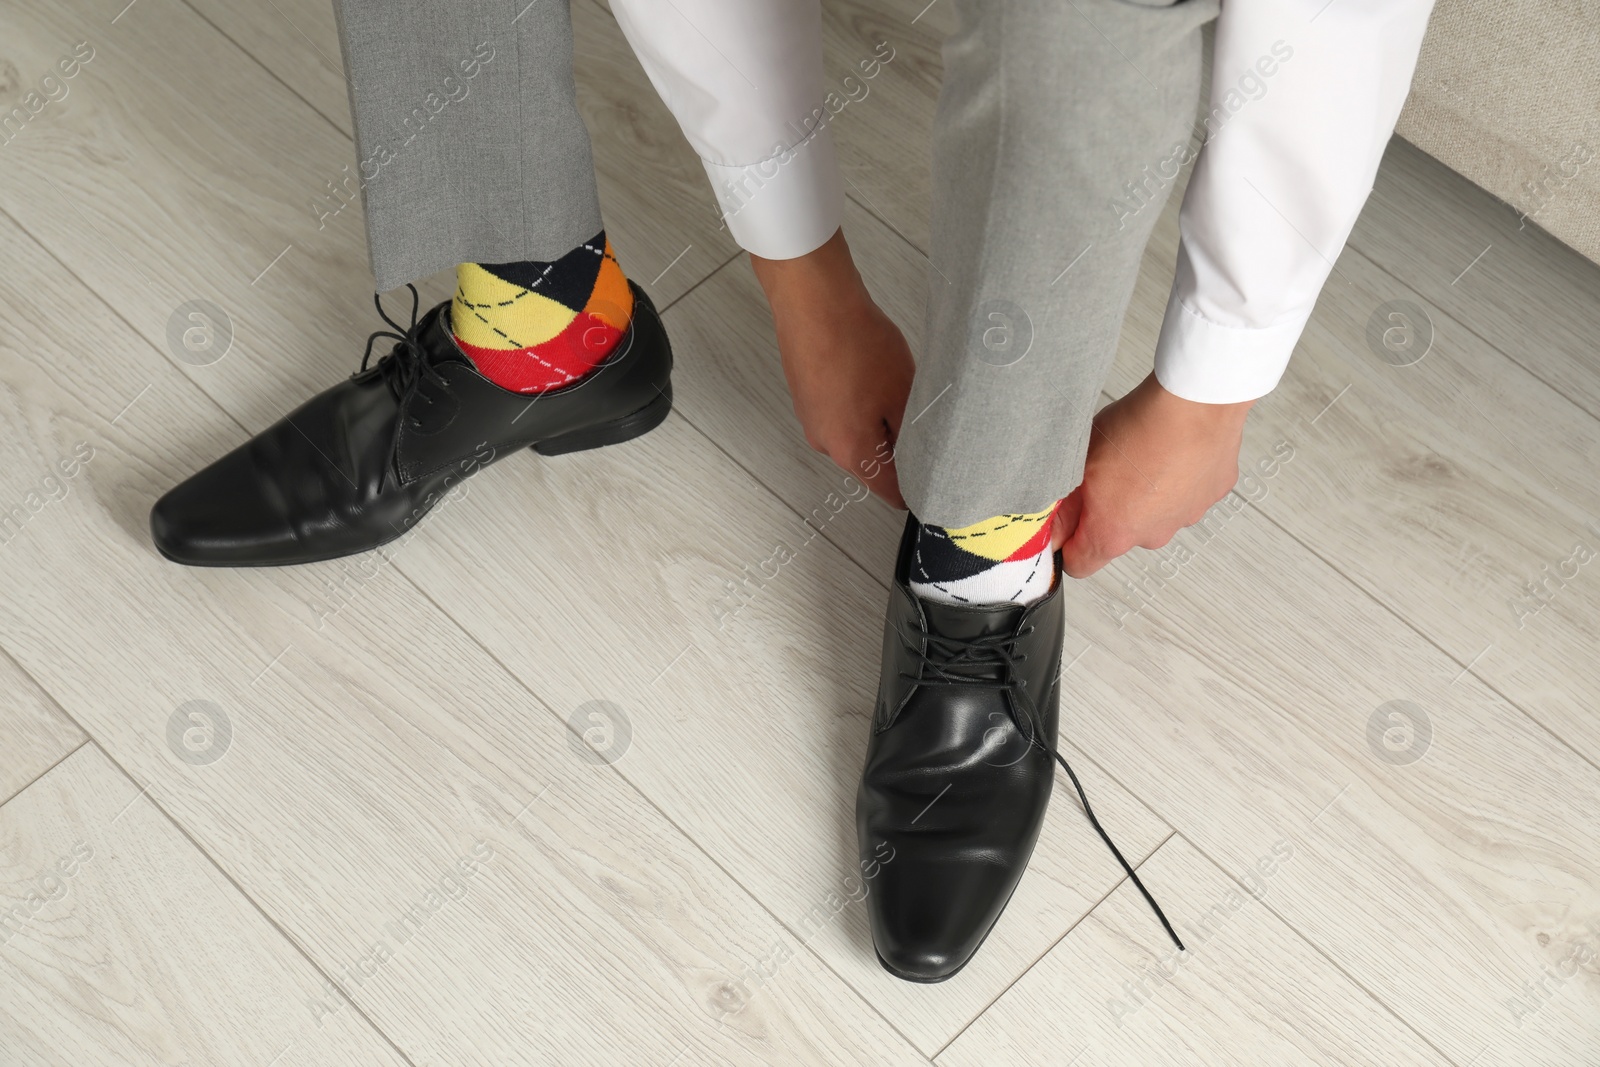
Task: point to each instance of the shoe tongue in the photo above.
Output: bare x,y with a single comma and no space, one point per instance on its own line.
971,620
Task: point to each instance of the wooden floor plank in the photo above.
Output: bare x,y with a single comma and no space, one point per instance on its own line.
1243,683
158,194
1444,488
35,734
1249,990
666,230
730,385
372,747
297,40
1459,249
122,944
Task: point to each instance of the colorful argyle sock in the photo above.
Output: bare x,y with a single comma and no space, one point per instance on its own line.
1006,558
531,327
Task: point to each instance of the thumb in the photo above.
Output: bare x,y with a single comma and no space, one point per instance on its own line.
1081,551
1065,520
886,481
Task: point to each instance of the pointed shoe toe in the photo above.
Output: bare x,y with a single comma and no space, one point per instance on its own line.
359,464
220,517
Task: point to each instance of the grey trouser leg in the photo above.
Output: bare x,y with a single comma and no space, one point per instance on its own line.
469,142
1049,109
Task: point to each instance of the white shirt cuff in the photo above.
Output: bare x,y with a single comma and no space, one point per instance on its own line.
1210,363
786,205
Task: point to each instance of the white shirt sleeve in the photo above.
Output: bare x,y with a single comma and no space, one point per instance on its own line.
744,80
1304,98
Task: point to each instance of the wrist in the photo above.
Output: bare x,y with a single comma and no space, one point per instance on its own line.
825,275
1193,412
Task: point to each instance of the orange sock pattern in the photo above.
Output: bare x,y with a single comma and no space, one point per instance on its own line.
531,327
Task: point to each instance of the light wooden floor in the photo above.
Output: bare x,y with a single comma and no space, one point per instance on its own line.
396,852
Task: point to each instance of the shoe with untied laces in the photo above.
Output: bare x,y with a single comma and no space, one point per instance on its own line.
960,767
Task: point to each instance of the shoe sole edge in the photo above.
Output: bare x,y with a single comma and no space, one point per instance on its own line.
615,432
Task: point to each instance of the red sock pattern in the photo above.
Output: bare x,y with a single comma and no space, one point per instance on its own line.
532,327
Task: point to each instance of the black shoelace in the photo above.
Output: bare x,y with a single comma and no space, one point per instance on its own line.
966,661
403,370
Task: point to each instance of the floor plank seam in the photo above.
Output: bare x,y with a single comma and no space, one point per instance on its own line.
87,737
255,904
709,275
1318,949
271,72
687,837
36,779
1513,360
891,227
1122,879
1416,629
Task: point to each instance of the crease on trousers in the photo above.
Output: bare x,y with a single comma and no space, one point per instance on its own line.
471,149
1048,107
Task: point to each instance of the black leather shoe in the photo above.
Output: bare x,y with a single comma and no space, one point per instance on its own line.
358,465
959,771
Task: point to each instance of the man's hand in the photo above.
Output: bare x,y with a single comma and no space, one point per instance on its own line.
849,368
1156,462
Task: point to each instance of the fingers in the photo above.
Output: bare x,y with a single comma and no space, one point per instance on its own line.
1081,556
1095,542
1095,539
887,482
875,468
871,463
1065,520
887,487
897,413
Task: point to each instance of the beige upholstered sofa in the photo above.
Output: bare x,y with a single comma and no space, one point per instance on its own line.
1507,93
